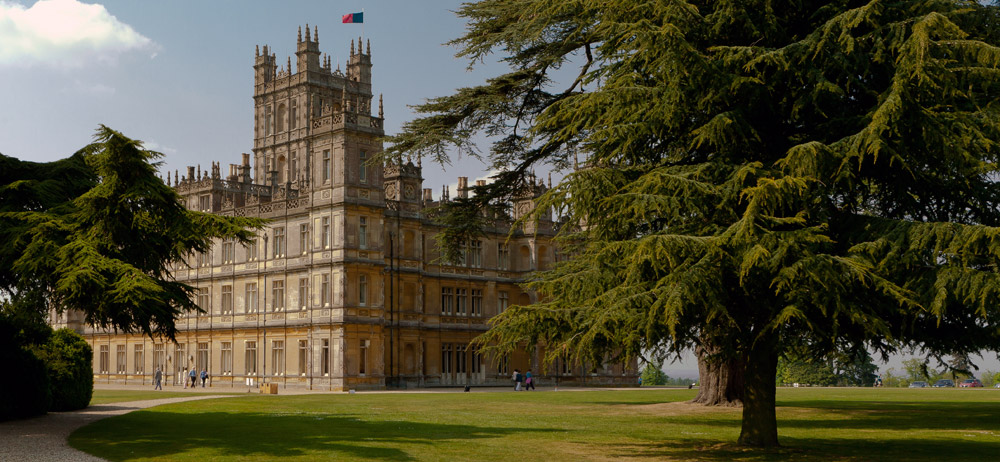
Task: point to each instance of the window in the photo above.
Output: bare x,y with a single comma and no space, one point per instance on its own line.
304,238
363,233
204,259
159,358
477,302
228,252
474,257
180,361
278,292
205,203
227,299
325,290
267,121
137,359
460,359
447,300
204,300
293,169
293,114
201,362
327,173
503,302
477,360
363,358
251,297
326,233
103,361
279,242
303,293
363,290
303,357
227,358
326,357
278,357
503,257
251,357
280,119
460,301
362,168
120,359
252,250
503,365
446,358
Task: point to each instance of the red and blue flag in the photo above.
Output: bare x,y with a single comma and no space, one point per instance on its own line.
354,18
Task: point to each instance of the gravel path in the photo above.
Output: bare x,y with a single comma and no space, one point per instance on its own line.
43,438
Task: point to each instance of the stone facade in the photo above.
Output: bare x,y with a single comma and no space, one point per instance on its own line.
344,288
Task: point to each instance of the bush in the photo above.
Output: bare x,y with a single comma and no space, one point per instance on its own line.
25,388
69,363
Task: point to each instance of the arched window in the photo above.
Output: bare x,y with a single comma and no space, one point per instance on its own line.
281,118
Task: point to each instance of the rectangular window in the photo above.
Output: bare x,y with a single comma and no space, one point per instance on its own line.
120,359
324,290
327,236
327,173
252,250
138,360
205,203
446,365
251,298
503,257
293,121
103,360
363,358
326,357
227,358
279,242
160,358
475,256
477,302
477,360
201,363
460,301
180,361
204,259
362,290
227,299
503,301
204,300
303,357
278,357
278,294
363,233
228,252
304,238
251,357
447,300
362,168
460,359
503,365
303,293
267,121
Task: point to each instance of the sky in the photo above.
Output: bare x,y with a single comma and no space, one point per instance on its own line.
178,75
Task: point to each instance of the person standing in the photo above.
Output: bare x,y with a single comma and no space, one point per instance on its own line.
194,377
204,377
529,381
518,378
157,379
184,376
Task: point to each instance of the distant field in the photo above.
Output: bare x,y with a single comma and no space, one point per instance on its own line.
814,424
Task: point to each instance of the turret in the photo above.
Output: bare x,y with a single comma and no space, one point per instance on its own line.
264,66
307,52
359,67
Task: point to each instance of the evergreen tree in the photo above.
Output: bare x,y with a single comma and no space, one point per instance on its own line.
758,176
97,233
653,373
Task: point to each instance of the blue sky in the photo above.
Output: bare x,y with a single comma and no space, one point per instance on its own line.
178,74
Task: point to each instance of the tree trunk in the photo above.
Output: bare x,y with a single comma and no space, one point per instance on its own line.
760,424
720,381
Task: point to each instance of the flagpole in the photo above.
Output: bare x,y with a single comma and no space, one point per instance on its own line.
362,25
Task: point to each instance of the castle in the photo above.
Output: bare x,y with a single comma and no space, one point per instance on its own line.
344,288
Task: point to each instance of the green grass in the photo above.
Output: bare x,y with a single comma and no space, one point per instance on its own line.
814,424
120,396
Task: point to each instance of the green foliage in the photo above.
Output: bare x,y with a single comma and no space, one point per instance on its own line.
765,176
76,244
69,366
653,373
25,387
806,373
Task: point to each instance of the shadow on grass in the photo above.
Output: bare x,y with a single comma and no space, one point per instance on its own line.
160,435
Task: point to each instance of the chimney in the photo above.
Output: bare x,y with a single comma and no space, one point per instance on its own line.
428,195
463,187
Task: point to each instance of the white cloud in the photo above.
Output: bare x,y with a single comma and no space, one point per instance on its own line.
154,146
63,33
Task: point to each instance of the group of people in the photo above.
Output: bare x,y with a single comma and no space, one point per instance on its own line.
526,379
193,375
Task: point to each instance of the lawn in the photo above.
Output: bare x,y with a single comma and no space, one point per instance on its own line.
814,424
119,396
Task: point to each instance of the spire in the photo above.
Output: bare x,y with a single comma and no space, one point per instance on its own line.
368,47
380,116
256,51
352,47
343,98
289,65
315,34
359,44
307,33
175,177
550,180
299,40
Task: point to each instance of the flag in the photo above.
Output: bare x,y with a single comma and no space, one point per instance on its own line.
354,18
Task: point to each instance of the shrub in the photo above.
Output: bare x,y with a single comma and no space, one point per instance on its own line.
24,391
69,362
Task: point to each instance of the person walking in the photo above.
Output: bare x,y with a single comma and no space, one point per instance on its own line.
529,381
518,378
157,379
194,377
184,377
204,377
